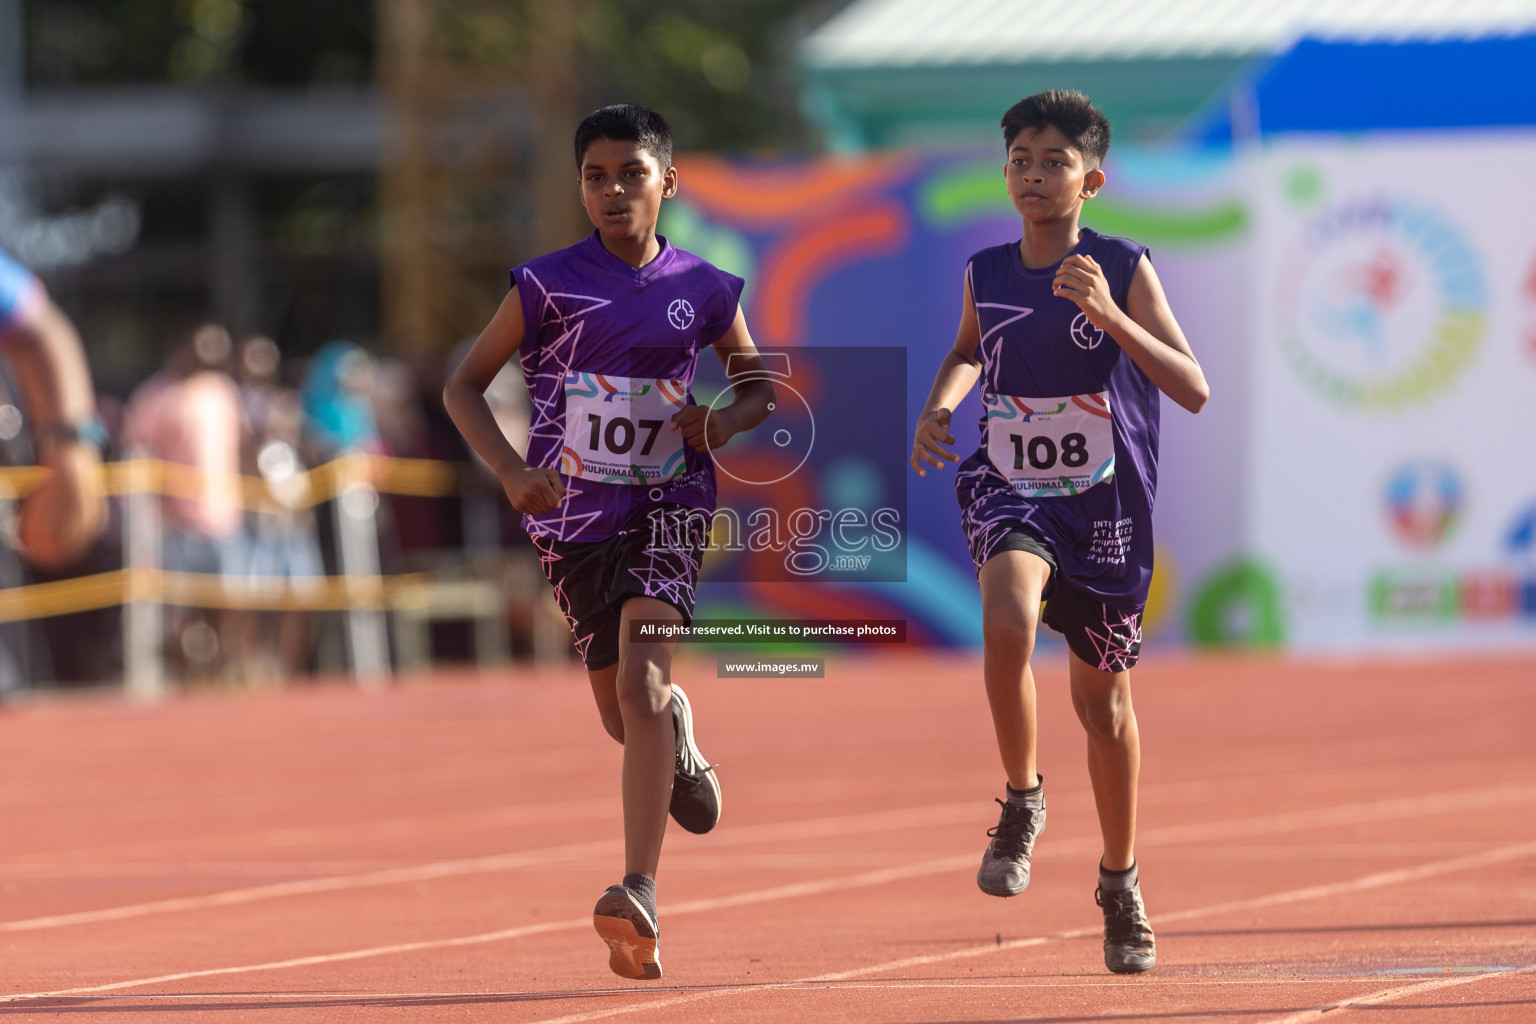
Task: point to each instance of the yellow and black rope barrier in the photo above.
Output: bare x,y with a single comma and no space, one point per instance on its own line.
426,478
410,477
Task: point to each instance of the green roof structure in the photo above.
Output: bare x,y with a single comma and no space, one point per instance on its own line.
939,73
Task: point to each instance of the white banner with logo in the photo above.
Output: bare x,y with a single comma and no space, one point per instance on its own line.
1391,473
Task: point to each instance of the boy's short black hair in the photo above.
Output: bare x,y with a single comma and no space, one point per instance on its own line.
626,122
1070,113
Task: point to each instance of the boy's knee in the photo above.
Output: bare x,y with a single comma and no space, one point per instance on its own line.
1009,628
1105,714
642,682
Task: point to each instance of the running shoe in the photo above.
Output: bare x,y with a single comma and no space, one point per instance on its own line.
695,790
630,930
1005,865
1129,946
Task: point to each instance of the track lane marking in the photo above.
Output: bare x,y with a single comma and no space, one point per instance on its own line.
1377,880
375,830
1392,994
815,828
792,891
1504,854
594,993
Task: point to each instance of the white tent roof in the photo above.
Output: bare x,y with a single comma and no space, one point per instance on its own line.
907,32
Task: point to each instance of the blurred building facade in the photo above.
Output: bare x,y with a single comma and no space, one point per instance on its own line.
305,200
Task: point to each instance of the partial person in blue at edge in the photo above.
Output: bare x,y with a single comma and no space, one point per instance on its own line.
62,518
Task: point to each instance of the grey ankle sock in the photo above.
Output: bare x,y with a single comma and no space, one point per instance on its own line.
643,886
1033,798
1116,881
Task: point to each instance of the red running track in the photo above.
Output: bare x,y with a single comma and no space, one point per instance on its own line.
1349,842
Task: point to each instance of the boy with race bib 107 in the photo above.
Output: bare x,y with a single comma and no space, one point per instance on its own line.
1071,337
618,483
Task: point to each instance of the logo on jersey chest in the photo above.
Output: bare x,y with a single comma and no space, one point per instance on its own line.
680,314
1084,334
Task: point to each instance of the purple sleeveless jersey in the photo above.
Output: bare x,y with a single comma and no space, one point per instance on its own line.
587,312
1040,345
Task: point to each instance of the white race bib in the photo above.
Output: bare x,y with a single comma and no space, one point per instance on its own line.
618,430
1048,447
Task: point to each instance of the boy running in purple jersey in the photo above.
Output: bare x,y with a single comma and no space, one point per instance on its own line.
1072,339
618,482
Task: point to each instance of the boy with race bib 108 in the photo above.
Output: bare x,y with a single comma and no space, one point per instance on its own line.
1072,340
618,482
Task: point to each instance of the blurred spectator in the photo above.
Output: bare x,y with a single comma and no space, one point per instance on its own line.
256,371
421,529
337,393
191,414
283,539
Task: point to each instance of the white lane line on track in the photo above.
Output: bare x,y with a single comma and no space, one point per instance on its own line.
1393,994
779,892
311,886
815,828
1517,851
1151,981
376,830
872,878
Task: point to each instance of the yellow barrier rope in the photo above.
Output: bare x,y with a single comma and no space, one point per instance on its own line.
425,478
210,590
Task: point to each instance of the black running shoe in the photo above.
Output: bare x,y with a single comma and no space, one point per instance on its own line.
1129,946
695,790
1005,866
630,930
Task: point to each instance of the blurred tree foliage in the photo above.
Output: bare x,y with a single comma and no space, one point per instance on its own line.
265,42
720,71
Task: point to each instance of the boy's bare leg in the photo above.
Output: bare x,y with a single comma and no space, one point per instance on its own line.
605,691
643,687
1011,584
1103,704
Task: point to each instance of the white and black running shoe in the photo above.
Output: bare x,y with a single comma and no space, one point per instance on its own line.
695,790
630,930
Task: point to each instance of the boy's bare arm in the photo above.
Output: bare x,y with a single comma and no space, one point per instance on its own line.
957,375
753,396
531,489
1146,330
60,520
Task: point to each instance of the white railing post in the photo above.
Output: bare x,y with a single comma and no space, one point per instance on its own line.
143,614
357,546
